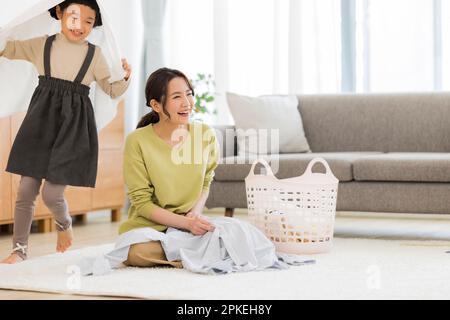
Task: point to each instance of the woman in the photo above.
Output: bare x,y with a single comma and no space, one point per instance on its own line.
168,166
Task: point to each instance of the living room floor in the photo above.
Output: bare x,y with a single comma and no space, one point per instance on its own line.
426,229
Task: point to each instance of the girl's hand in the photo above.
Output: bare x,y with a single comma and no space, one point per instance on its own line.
127,69
198,225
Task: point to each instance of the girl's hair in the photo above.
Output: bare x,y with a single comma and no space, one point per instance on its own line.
90,3
156,89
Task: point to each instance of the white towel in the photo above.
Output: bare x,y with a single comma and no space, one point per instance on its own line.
18,79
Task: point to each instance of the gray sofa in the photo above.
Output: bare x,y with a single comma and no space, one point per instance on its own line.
391,153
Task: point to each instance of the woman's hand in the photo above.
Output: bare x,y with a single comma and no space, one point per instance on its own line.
127,69
198,225
192,214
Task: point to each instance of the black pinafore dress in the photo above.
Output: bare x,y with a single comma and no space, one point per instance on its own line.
58,139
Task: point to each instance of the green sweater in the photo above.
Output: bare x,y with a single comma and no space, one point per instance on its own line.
160,176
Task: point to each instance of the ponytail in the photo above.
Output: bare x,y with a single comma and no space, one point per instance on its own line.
148,119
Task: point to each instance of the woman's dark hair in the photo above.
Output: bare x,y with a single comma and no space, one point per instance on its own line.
156,89
90,3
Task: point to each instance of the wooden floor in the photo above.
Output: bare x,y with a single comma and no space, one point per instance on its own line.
98,230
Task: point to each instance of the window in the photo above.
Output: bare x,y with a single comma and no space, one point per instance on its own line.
258,47
396,50
190,34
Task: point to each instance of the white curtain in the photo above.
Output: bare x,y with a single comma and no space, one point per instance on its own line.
155,47
281,47
446,44
395,45
258,47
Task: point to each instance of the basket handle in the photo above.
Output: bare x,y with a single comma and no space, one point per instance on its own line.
314,162
266,166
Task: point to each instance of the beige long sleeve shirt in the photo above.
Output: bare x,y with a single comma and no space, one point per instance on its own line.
66,60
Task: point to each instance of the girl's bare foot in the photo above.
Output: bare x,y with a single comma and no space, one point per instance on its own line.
64,241
12,259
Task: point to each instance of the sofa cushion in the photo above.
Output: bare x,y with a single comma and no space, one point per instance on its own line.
264,120
290,165
403,167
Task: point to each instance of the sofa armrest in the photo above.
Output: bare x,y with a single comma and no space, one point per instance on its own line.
226,136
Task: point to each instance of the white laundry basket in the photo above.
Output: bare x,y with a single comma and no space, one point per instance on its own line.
296,214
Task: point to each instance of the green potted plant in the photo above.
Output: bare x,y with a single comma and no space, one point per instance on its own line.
204,87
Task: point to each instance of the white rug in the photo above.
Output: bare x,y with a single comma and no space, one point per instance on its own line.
355,269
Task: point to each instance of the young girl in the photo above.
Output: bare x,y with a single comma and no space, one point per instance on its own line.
58,139
169,166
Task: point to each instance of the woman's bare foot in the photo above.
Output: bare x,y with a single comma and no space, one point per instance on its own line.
64,241
12,259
